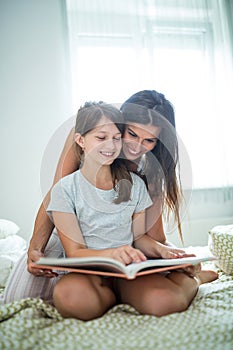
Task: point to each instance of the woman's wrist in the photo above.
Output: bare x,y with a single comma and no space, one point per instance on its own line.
36,247
39,240
169,244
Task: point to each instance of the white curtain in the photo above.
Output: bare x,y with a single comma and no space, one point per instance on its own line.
182,48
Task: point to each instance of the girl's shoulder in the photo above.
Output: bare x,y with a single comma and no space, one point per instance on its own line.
133,175
68,180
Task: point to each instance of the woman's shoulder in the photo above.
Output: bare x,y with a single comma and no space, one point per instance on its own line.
136,179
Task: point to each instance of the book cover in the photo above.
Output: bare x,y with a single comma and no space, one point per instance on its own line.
111,267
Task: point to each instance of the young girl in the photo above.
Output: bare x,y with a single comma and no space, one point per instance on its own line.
100,211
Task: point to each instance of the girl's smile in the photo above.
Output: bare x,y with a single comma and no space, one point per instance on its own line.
107,154
103,143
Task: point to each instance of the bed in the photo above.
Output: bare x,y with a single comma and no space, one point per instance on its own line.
207,324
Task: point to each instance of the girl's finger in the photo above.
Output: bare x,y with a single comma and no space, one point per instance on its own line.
136,255
125,257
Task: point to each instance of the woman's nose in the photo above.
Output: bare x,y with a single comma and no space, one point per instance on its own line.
137,146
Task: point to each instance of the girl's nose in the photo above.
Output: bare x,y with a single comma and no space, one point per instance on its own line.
110,144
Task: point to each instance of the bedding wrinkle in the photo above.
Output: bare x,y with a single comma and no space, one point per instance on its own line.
21,284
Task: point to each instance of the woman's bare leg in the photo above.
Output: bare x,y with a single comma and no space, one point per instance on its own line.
83,296
161,295
203,276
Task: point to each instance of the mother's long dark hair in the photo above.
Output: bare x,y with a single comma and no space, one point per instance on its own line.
150,107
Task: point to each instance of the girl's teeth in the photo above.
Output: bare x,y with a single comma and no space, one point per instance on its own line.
107,153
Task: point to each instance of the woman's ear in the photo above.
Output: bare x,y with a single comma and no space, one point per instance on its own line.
79,139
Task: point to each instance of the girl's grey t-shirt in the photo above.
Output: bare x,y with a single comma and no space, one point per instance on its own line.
103,223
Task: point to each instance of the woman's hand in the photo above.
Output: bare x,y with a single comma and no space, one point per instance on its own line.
155,249
33,256
193,270
126,254
167,252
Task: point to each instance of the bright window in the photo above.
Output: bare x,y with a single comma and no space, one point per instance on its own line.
175,47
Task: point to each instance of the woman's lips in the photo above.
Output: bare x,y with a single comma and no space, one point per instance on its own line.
131,151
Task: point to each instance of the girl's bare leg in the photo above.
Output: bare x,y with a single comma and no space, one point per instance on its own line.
83,296
161,295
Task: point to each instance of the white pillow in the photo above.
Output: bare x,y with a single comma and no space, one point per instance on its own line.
11,248
12,245
221,246
7,228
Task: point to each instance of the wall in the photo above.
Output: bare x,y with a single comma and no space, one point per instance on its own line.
35,99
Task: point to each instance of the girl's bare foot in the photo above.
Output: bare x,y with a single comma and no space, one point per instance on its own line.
206,276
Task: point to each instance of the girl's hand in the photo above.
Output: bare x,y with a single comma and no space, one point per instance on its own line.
33,256
127,255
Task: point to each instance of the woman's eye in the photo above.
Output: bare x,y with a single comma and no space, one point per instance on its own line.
117,138
150,141
100,138
132,134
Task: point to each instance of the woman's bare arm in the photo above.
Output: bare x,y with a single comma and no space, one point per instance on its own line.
149,246
43,226
154,224
159,246
68,161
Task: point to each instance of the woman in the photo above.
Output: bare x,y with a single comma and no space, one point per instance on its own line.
150,124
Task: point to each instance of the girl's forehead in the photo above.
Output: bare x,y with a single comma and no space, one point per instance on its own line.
144,130
104,120
105,124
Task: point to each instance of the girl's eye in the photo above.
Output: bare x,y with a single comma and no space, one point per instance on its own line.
104,138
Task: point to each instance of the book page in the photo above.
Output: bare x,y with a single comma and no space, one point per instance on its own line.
101,264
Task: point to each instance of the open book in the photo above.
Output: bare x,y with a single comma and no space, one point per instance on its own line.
111,267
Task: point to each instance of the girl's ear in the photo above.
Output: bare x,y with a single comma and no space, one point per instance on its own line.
79,139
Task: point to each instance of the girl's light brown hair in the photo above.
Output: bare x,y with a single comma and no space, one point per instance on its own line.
87,118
